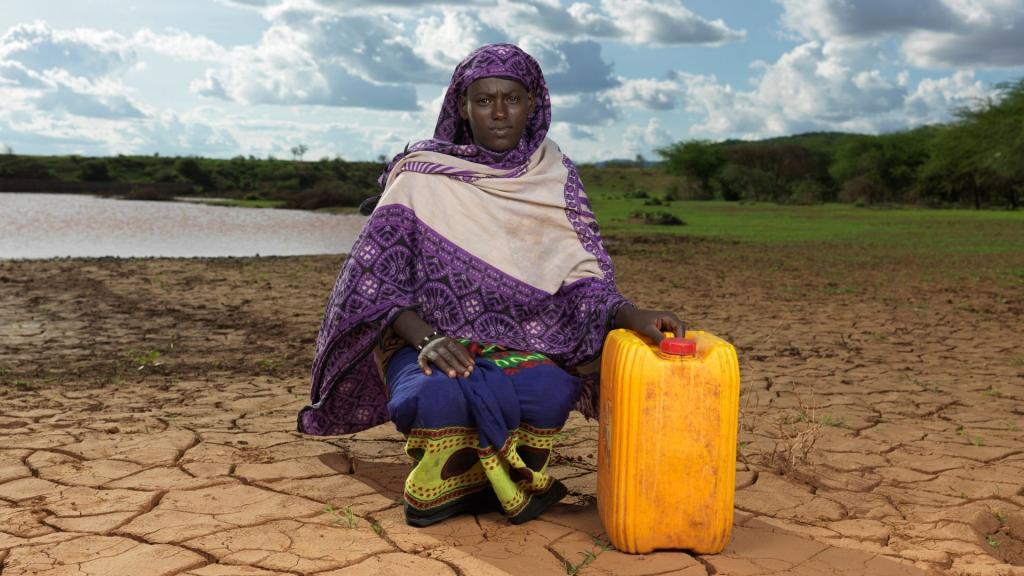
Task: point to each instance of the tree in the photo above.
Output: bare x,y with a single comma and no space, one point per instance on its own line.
995,128
699,159
94,171
299,151
977,158
781,164
191,170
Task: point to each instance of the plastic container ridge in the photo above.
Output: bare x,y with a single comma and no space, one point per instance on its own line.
666,468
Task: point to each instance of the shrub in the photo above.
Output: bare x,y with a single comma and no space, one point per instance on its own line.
687,190
94,171
150,193
656,218
326,194
806,192
860,190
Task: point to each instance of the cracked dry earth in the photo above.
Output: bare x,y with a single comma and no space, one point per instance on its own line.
147,423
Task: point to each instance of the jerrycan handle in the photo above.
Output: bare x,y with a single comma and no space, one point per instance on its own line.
676,346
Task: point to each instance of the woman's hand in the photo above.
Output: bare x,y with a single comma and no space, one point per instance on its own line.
450,356
650,323
446,353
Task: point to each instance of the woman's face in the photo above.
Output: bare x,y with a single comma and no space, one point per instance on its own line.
497,110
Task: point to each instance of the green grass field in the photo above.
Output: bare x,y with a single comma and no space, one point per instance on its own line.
903,229
242,203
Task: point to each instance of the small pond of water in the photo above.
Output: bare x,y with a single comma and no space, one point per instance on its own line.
58,225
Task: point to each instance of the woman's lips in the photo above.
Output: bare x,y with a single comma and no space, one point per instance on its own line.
501,131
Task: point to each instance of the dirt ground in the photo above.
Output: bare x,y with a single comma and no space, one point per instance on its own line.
147,417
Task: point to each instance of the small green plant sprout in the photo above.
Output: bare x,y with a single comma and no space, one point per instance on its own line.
830,420
991,539
23,385
589,556
377,528
975,440
328,509
267,364
992,392
145,358
795,417
837,289
349,519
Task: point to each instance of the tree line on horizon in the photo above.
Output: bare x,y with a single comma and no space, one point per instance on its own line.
976,160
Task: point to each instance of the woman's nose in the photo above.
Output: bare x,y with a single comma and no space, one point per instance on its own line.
499,109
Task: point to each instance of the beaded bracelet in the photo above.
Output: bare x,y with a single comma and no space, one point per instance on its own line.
427,340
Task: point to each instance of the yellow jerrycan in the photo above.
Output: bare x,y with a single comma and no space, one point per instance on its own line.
666,467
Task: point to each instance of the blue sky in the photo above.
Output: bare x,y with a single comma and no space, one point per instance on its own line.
360,79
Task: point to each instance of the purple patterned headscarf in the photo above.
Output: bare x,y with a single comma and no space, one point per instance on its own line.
452,135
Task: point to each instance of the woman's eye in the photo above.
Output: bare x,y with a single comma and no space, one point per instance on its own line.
512,99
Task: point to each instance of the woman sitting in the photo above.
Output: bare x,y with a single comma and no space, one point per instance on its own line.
472,309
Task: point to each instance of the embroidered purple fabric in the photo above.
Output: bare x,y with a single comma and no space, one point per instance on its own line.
398,263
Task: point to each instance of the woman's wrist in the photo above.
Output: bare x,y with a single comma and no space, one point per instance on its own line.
413,329
423,342
622,314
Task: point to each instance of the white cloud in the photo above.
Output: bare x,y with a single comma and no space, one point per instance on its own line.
14,74
640,22
862,19
647,93
173,134
932,99
376,48
645,22
181,45
581,133
105,131
645,139
85,104
68,71
81,52
442,41
284,69
548,19
933,33
823,87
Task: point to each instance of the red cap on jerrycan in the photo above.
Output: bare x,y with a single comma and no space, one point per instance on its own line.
679,346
